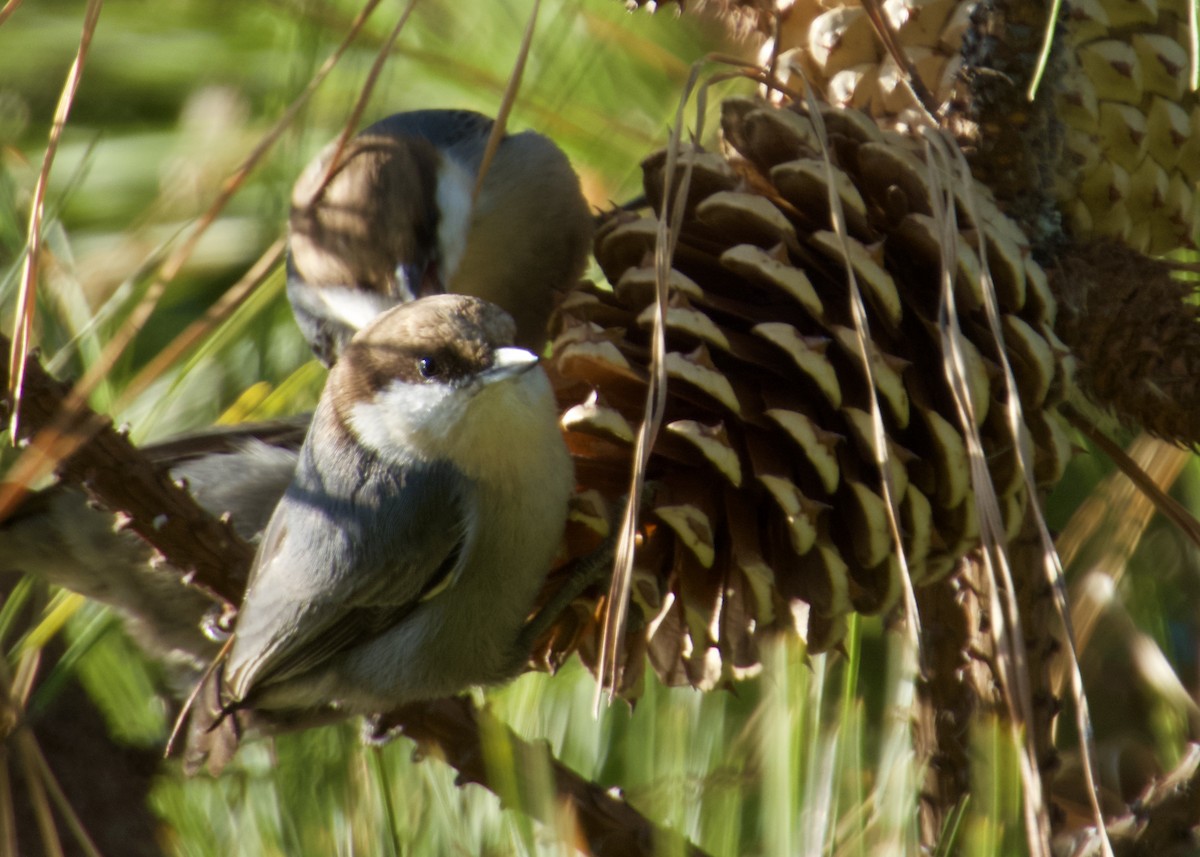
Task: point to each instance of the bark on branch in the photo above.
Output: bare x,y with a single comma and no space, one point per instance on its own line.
110,469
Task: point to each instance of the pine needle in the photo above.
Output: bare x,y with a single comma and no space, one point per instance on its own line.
925,99
8,818
1194,43
38,800
1013,672
898,741
949,153
360,104
58,796
670,220
8,9
1148,484
1043,59
23,320
506,103
234,297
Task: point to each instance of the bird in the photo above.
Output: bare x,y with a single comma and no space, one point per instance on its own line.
397,218
403,561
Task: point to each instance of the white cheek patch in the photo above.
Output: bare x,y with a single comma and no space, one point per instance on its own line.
454,190
354,308
405,421
489,431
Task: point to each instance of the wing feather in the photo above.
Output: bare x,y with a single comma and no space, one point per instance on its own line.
342,564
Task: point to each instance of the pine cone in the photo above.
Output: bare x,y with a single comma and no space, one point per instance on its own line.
1132,140
766,504
1122,142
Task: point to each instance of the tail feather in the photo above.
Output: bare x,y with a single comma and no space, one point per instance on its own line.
213,728
214,731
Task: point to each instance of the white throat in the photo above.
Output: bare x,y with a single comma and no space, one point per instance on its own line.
455,188
488,429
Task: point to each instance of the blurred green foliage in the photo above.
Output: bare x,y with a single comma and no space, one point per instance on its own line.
810,757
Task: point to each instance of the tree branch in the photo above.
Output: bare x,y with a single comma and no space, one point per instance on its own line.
89,452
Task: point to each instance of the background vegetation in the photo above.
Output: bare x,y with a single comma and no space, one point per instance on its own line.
810,756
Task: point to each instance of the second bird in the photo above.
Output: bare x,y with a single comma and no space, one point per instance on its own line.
398,220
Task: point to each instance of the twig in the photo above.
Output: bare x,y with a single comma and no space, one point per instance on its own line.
360,104
1162,818
506,102
233,298
1168,506
892,44
1169,805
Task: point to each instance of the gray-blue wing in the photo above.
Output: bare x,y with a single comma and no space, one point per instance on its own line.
341,564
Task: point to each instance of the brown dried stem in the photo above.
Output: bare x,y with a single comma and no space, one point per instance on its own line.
23,325
1168,809
7,9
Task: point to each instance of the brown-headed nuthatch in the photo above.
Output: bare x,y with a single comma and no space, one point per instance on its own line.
428,503
398,219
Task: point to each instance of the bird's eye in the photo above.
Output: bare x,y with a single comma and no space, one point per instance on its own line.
428,367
